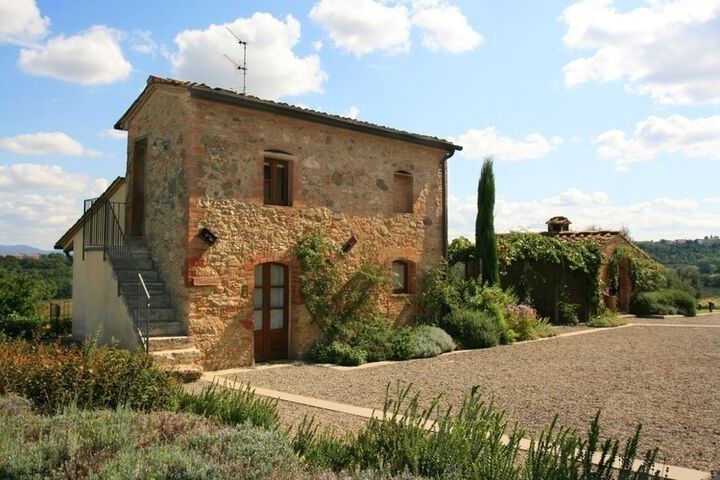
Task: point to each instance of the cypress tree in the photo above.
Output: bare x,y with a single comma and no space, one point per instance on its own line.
485,244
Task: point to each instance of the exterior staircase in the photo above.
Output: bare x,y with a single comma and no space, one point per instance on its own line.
142,289
167,342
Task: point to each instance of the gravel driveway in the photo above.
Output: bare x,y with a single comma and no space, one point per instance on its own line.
667,378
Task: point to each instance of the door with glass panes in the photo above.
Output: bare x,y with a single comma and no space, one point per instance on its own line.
271,312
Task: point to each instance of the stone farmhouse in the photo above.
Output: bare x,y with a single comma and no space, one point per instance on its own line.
190,255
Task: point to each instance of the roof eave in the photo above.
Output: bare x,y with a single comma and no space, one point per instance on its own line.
207,93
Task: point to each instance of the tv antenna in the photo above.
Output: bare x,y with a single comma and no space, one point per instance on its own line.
238,65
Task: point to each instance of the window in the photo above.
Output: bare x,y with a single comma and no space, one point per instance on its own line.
276,181
400,277
402,192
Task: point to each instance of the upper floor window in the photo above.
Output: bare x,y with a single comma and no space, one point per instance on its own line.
276,178
400,277
402,192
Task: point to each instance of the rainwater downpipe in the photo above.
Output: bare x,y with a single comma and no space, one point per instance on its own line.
445,200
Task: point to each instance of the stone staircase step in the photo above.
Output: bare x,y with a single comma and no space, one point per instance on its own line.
160,314
165,329
170,343
174,357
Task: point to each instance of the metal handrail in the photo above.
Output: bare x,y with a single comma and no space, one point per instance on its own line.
102,229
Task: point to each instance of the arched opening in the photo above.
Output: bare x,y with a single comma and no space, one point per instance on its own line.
271,304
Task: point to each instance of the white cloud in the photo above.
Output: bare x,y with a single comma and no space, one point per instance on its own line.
691,138
665,49
89,58
274,70
489,142
38,203
46,143
113,134
21,22
352,112
364,26
653,219
141,41
446,28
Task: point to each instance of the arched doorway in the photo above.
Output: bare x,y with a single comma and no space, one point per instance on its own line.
271,301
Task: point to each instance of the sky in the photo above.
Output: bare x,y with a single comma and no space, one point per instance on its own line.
604,111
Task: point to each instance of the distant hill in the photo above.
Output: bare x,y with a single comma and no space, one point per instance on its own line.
703,255
22,250
683,252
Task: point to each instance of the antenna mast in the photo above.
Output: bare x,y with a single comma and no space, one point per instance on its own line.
239,66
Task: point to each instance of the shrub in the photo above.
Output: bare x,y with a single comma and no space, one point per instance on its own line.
437,297
606,319
231,407
69,445
473,329
51,376
158,461
663,302
568,313
404,343
525,323
374,336
248,452
337,352
429,341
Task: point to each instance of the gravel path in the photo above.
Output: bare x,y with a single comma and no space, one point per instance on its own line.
667,378
700,320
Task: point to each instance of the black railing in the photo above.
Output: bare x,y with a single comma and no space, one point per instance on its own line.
102,229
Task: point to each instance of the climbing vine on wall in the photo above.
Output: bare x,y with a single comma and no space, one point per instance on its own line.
582,257
647,275
335,300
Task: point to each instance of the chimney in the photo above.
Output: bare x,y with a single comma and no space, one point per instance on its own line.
558,225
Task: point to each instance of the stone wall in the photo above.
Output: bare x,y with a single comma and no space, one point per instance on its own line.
161,121
341,184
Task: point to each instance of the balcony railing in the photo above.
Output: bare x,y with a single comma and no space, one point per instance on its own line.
102,229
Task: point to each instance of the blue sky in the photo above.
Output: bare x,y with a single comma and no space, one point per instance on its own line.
603,111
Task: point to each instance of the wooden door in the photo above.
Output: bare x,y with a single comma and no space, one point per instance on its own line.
137,198
271,312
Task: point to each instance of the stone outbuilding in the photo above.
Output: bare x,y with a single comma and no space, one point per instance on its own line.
219,187
551,285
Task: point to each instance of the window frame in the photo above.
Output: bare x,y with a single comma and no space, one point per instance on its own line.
274,196
405,278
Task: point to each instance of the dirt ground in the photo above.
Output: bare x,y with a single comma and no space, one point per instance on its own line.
667,378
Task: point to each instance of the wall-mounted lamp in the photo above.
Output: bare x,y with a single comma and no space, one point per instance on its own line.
208,236
349,244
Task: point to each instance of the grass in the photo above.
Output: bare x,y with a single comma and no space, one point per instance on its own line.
474,442
712,296
606,319
230,407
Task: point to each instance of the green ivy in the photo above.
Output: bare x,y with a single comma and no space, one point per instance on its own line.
337,302
647,275
582,257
